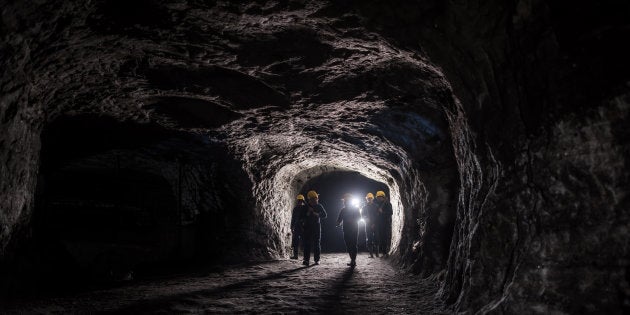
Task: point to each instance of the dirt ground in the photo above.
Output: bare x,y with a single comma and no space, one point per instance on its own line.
278,287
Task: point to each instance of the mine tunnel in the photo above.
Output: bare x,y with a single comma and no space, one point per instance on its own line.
328,186
151,153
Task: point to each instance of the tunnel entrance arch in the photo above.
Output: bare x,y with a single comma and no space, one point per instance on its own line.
297,179
330,187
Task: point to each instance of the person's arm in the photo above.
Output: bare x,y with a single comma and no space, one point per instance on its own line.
388,208
293,219
340,217
322,212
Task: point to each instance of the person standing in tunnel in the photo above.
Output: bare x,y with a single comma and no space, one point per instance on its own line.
297,225
384,222
311,217
370,215
350,215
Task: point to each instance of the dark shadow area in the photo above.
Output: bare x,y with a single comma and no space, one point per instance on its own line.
589,34
97,219
120,201
214,80
163,302
156,273
74,137
284,49
191,112
117,202
331,187
333,304
104,224
130,18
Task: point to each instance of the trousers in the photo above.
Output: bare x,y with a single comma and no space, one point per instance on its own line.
312,242
351,238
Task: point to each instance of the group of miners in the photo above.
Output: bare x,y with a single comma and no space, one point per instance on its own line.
376,215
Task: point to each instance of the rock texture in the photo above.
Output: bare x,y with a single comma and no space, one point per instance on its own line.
263,287
542,211
499,129
232,105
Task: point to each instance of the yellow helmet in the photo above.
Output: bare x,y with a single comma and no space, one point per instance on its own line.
369,196
300,197
380,193
312,194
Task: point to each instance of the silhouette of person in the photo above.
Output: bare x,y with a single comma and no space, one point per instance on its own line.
370,216
297,226
349,216
384,222
311,217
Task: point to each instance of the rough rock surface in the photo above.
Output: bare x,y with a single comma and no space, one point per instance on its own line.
499,127
543,213
238,104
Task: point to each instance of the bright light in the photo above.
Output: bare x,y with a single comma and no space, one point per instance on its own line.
361,221
355,202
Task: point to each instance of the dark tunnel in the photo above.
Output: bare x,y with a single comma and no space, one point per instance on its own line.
151,154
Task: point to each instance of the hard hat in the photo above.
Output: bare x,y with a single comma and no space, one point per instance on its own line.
312,194
369,196
380,193
347,197
300,197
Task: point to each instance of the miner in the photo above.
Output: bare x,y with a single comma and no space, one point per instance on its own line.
370,215
349,216
311,217
383,222
297,225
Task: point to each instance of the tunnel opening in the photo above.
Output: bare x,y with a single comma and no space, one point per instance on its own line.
331,187
331,179
422,186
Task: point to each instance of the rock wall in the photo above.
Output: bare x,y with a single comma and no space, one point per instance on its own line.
539,145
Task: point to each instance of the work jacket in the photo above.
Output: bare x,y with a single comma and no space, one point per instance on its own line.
350,216
309,218
296,217
386,215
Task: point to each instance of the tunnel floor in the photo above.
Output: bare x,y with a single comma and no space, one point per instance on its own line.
284,286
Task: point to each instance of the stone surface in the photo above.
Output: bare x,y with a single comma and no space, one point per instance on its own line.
276,286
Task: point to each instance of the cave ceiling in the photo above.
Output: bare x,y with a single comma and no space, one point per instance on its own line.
287,74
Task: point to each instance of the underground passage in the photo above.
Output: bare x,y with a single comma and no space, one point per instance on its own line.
152,154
